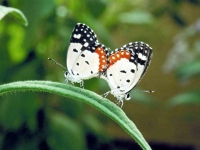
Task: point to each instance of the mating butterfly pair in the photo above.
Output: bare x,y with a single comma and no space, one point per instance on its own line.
122,68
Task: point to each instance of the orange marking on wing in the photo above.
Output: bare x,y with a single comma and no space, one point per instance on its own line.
117,56
102,58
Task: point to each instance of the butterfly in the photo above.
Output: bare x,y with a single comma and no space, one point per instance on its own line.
86,57
126,67
122,68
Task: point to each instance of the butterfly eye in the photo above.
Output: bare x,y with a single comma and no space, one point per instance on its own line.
65,74
127,97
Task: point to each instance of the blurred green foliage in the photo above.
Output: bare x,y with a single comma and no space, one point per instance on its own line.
17,14
184,59
44,121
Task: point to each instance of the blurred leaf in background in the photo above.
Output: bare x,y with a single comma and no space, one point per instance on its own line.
136,17
13,12
191,98
184,59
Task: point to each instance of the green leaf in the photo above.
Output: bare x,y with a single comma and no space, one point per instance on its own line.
10,114
192,97
93,124
36,11
89,97
13,113
16,50
65,134
136,17
188,70
14,13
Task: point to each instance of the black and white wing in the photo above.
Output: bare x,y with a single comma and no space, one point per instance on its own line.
127,65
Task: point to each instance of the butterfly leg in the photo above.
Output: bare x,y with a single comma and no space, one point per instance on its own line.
70,83
82,84
105,94
66,81
119,103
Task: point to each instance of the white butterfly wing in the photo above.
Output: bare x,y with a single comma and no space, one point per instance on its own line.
73,53
126,72
142,55
119,75
82,36
90,62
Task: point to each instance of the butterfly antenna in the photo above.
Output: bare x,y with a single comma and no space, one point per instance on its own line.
57,63
146,91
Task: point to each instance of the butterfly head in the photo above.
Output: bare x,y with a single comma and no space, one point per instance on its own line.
120,94
72,78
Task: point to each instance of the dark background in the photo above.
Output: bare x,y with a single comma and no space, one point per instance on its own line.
168,118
